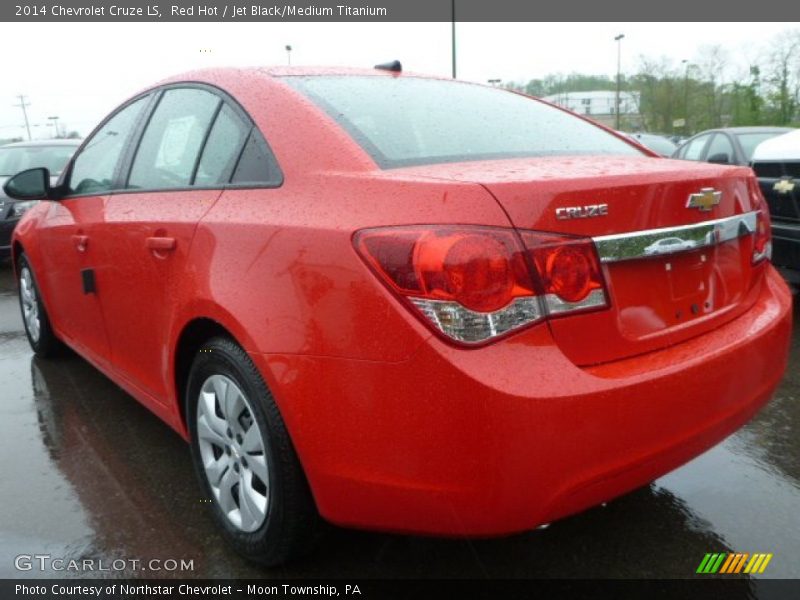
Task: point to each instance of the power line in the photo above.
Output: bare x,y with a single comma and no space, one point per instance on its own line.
22,104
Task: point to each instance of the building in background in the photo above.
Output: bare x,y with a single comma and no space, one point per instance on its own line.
601,106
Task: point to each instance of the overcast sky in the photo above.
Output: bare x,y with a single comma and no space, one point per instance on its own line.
80,71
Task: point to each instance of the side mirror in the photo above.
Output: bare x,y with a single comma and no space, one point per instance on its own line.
33,184
720,159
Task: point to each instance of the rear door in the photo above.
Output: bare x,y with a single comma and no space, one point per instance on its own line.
185,156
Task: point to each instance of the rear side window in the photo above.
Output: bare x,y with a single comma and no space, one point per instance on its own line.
404,121
222,148
171,144
94,168
257,165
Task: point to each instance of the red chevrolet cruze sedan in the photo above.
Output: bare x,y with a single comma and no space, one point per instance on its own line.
403,303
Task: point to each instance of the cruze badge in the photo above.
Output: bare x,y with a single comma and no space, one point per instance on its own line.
582,212
705,200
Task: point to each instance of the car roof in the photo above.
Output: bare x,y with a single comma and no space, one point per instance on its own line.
750,129
36,143
214,74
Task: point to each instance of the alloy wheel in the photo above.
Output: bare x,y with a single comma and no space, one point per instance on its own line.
30,304
233,453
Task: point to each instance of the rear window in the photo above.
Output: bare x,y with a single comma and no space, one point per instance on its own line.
403,121
749,141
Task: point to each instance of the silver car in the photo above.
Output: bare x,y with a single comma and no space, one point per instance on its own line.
50,154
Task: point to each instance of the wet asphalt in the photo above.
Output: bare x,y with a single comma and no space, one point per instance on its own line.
89,473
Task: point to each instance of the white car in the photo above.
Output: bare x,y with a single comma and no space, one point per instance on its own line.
670,244
777,165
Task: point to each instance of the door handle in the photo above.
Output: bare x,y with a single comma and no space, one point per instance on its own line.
81,241
161,244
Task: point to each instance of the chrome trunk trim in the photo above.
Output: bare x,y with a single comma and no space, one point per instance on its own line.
672,240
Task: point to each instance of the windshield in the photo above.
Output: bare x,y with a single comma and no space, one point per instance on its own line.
749,141
402,121
19,158
658,144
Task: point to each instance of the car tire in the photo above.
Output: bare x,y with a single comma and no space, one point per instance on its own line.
262,502
34,316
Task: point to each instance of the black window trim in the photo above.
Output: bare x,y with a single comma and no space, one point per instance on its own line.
129,154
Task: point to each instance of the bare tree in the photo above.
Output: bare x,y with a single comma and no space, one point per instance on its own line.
783,76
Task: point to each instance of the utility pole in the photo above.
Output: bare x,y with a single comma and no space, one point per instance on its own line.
618,39
453,35
22,104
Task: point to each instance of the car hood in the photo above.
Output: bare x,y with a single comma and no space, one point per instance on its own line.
782,147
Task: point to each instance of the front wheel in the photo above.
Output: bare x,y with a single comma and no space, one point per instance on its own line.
34,316
244,458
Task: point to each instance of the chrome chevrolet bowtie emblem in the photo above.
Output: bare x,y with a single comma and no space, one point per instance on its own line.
784,186
705,199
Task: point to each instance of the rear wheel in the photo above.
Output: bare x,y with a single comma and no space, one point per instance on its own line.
244,458
34,316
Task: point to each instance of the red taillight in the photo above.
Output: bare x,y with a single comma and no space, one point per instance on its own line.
477,283
568,268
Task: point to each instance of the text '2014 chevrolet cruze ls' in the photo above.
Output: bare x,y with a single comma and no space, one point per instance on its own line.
403,303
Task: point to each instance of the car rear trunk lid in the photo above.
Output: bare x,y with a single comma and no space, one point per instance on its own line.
690,273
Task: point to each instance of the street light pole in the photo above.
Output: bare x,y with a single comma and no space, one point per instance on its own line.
618,39
453,35
289,54
686,97
55,126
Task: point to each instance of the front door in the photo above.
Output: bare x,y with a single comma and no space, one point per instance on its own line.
74,262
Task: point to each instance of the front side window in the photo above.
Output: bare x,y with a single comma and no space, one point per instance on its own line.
694,149
170,146
403,121
93,169
720,149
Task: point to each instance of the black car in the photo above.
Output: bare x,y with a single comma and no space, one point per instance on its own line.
51,154
777,166
729,146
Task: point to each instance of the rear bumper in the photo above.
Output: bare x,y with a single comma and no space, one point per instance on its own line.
503,438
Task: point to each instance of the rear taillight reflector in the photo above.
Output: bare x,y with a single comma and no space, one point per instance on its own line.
474,284
762,239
